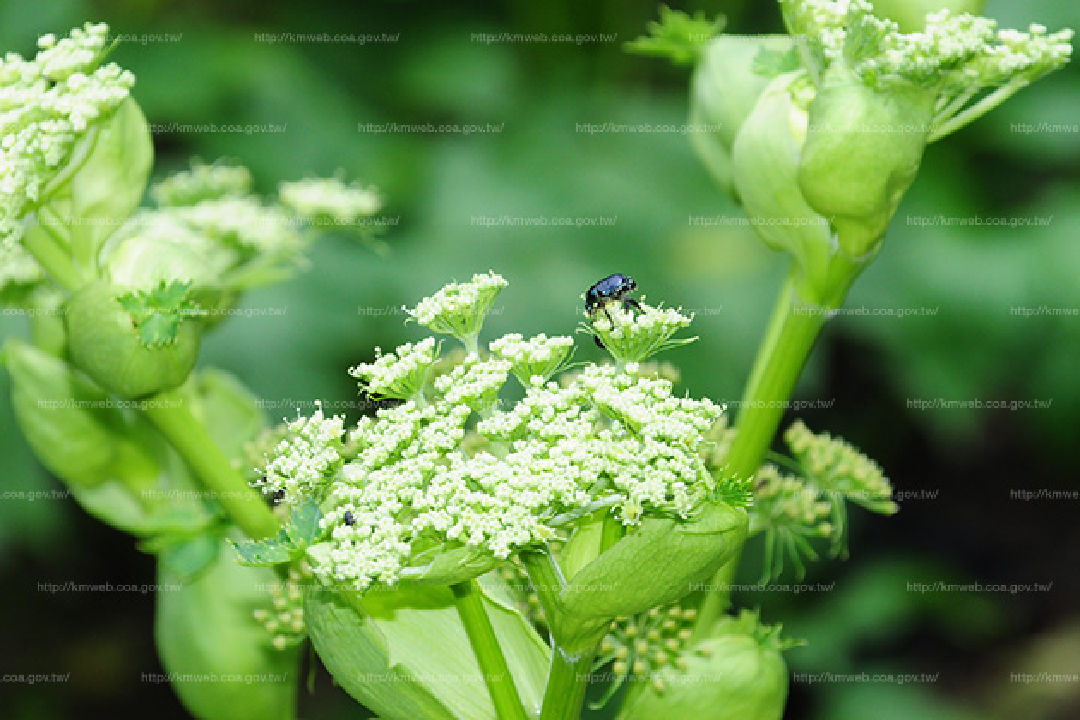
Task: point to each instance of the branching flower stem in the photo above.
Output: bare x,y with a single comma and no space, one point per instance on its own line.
485,645
793,328
169,412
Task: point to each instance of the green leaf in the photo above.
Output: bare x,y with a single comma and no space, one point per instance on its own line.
770,62
219,656
379,649
678,36
299,532
185,557
157,313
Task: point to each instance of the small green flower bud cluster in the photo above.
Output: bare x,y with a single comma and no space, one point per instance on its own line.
401,374
48,104
284,619
202,182
836,466
538,357
639,647
791,510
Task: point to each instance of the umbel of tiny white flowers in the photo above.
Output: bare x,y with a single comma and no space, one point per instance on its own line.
459,309
632,336
448,466
49,104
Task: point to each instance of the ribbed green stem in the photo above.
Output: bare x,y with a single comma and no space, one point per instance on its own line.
53,258
567,681
485,645
788,340
169,412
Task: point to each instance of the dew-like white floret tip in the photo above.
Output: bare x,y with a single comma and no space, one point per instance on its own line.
459,309
329,199
400,374
46,105
311,447
202,182
607,437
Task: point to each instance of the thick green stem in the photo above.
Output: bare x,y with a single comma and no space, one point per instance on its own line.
485,645
567,681
792,331
568,677
53,258
170,414
790,336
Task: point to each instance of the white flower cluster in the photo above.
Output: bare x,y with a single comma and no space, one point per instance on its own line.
311,448
400,374
46,105
459,309
244,222
538,357
632,336
954,53
474,383
449,465
328,200
607,439
202,182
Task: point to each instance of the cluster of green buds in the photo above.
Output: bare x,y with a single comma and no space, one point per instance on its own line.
448,481
737,672
791,509
639,647
821,131
284,618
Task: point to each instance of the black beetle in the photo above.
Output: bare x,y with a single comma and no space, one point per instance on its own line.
349,518
613,288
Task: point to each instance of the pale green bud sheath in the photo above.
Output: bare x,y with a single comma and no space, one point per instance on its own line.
822,160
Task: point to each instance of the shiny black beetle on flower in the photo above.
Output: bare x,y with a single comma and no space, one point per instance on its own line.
613,288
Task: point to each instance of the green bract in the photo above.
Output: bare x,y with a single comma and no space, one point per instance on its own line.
74,429
104,342
404,653
724,88
221,660
738,673
679,556
823,159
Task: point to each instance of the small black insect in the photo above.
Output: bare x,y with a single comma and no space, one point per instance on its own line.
613,288
350,519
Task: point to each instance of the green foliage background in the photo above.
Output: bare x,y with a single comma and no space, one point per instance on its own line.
300,336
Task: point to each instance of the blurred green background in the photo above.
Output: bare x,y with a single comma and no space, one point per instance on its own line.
997,318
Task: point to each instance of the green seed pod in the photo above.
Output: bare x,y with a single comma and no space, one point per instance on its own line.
222,660
735,675
379,649
862,152
104,343
679,556
910,15
723,91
